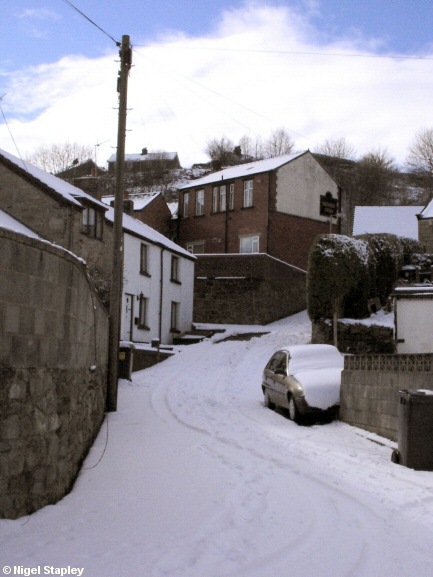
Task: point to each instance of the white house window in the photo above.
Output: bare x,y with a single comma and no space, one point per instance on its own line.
92,223
215,199
174,317
223,198
195,248
249,244
231,197
185,204
199,203
142,312
175,269
144,259
248,193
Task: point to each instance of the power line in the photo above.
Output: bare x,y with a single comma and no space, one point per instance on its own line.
290,52
11,135
92,22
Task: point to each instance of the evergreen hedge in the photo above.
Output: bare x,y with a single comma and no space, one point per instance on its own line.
345,272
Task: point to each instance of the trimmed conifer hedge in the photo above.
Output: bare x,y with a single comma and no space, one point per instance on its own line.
345,272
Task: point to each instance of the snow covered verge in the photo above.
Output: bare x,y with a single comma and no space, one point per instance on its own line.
193,477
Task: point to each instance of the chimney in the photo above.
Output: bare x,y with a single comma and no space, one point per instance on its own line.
143,151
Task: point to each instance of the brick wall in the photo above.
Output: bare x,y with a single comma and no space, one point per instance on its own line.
226,228
53,368
369,389
291,237
155,214
246,289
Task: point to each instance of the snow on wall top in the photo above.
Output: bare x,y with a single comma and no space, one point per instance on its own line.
69,192
144,231
399,220
241,170
9,222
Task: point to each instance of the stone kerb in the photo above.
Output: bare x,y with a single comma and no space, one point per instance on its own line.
53,363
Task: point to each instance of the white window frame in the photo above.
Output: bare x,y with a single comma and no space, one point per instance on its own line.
223,198
143,311
185,204
199,202
215,199
248,193
174,318
144,258
231,197
253,240
192,248
175,262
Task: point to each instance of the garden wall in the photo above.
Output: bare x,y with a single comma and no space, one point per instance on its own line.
355,338
370,384
246,289
53,372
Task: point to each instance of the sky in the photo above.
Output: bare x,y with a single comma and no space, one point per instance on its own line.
203,69
186,480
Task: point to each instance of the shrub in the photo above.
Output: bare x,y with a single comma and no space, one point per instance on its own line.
337,265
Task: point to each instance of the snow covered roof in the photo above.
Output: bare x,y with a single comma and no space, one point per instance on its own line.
399,220
241,170
67,191
149,156
140,200
9,222
144,231
428,211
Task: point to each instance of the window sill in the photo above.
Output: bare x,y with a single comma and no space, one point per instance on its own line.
199,216
175,281
175,331
145,274
247,207
143,328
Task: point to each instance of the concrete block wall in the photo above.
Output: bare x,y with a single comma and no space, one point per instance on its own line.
246,289
370,384
53,371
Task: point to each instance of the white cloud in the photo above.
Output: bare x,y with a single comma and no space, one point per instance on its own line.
180,97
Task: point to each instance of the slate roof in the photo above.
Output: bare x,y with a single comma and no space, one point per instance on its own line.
242,170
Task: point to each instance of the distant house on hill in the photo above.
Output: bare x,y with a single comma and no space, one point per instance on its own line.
146,162
398,220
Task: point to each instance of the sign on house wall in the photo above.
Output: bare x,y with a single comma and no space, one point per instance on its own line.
328,205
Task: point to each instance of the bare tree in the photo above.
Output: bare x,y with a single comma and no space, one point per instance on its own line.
278,143
220,150
59,157
252,147
337,148
376,173
420,160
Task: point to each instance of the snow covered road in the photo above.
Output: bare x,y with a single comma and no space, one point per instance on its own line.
198,479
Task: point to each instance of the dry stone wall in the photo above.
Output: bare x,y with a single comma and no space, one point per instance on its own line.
53,372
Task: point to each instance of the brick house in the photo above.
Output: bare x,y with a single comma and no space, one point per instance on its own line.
270,206
149,207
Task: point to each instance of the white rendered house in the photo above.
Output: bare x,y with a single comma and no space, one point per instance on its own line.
158,284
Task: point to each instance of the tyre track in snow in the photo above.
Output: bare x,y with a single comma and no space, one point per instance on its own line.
173,401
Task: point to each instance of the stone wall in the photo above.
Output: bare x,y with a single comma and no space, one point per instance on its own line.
246,289
370,384
355,338
53,372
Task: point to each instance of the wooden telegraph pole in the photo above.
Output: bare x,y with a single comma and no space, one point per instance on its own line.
117,268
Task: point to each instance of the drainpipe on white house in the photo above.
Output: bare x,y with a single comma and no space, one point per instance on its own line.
161,296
